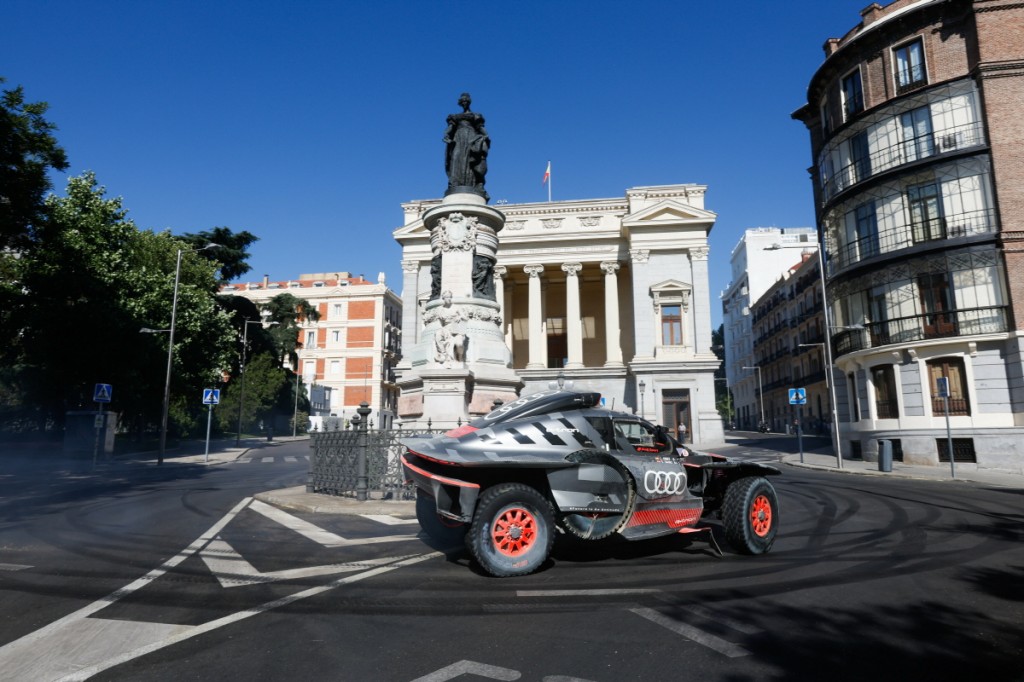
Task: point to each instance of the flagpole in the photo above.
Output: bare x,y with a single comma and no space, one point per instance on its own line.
549,182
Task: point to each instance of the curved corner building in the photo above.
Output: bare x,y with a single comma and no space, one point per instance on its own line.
916,119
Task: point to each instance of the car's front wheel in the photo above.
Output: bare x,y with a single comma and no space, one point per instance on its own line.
750,514
512,530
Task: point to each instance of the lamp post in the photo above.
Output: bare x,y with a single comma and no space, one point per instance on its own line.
760,393
170,348
241,393
642,386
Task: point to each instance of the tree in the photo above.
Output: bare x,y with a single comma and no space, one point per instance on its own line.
287,311
268,392
88,286
231,256
28,151
723,396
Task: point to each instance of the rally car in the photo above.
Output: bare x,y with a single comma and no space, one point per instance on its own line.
556,462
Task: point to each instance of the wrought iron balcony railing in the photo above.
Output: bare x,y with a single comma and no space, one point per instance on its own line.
944,324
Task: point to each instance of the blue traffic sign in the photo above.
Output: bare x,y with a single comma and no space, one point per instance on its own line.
102,392
798,396
211,396
942,383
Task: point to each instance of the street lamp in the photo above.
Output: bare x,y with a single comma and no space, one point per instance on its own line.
170,348
642,386
760,393
241,394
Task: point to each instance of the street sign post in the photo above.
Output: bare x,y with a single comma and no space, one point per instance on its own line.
798,396
211,397
101,394
942,384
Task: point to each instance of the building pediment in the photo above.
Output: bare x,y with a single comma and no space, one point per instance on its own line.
669,212
672,292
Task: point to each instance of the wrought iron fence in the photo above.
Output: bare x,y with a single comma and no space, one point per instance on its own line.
360,463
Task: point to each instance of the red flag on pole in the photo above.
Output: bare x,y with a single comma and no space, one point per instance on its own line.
547,175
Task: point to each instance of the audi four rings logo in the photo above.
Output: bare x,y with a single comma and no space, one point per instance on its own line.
665,482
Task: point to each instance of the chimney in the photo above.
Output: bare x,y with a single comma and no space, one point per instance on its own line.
266,281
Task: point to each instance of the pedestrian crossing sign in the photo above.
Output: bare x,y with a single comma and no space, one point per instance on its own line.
211,396
798,396
101,393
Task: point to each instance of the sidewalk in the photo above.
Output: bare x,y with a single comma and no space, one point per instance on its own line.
964,472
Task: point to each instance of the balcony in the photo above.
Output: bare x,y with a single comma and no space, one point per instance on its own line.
946,324
965,224
909,150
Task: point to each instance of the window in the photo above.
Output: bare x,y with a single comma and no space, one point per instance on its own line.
866,230
854,398
925,205
310,339
963,450
918,141
336,336
952,369
884,379
937,305
909,63
336,311
671,325
860,156
335,367
853,94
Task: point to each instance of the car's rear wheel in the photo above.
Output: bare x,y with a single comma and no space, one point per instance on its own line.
447,532
511,533
750,514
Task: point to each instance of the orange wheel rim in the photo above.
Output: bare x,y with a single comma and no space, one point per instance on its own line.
514,531
761,516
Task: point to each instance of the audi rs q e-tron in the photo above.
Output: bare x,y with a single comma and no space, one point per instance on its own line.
555,462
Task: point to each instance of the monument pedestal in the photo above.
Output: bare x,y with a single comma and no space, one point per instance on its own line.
461,364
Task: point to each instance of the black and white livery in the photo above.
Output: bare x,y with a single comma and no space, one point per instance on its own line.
555,461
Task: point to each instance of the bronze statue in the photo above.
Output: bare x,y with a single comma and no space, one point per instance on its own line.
467,143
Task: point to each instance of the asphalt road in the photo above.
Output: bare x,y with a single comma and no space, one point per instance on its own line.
167,573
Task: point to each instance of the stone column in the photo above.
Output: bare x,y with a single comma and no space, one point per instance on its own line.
410,307
700,301
536,322
613,347
501,297
573,317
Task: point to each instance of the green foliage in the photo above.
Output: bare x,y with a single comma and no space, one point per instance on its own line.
286,310
28,151
89,284
230,256
723,396
268,391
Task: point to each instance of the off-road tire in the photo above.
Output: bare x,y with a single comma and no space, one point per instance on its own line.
750,514
512,530
446,532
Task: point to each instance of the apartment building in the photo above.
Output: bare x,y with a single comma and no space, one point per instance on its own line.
354,346
916,131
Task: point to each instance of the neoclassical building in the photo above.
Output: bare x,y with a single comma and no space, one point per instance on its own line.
916,131
609,294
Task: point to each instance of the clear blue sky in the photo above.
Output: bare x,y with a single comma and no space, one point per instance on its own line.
308,123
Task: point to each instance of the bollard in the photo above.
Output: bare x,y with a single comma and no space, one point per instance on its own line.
884,455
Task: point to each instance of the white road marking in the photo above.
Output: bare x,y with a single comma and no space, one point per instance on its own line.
78,646
86,673
693,634
703,612
388,520
13,567
585,593
316,533
450,672
290,459
232,570
267,459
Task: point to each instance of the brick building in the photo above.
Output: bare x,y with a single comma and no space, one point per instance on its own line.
916,130
354,346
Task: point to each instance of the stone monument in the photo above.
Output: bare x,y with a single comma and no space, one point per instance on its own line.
461,365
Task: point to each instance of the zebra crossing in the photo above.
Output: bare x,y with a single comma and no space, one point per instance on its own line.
269,459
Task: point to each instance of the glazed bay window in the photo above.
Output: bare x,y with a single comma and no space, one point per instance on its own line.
884,379
908,60
853,94
918,139
924,204
952,369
